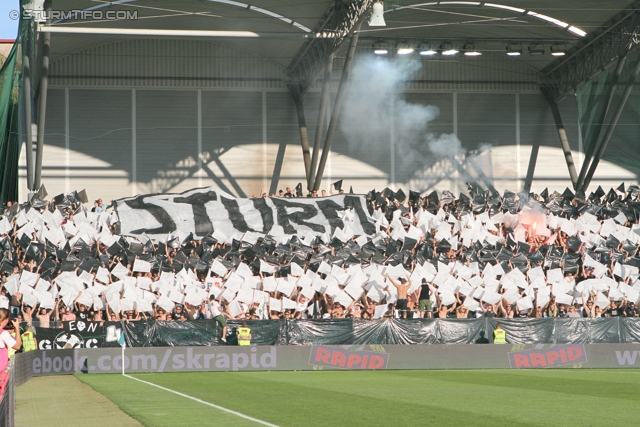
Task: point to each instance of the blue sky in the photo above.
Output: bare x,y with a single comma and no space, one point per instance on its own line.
8,26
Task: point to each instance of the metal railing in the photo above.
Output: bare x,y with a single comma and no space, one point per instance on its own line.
7,399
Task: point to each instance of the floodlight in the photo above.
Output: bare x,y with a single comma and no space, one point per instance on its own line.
514,50
380,48
425,49
404,48
558,50
448,49
470,50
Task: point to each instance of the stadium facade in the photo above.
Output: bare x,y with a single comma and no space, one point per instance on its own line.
129,114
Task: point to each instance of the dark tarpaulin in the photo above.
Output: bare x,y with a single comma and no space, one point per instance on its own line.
630,332
605,330
571,330
462,331
170,334
140,333
563,330
198,332
524,331
382,331
319,332
263,332
410,331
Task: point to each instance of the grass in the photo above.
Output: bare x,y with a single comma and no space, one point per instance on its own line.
62,400
558,397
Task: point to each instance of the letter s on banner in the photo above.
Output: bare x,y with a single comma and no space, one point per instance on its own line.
167,224
212,209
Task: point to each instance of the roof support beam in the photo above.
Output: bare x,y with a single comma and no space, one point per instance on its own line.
604,46
335,114
177,33
324,100
533,159
304,139
564,141
28,120
612,126
42,102
339,22
593,138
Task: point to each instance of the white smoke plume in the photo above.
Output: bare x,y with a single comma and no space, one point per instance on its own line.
374,98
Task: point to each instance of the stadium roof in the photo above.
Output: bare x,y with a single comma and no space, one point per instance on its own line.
288,22
282,27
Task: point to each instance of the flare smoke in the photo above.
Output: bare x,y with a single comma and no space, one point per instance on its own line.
375,113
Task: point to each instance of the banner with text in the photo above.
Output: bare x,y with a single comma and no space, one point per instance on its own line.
205,211
354,357
79,334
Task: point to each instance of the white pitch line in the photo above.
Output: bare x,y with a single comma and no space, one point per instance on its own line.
205,403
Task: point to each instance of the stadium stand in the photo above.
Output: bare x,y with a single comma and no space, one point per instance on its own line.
482,254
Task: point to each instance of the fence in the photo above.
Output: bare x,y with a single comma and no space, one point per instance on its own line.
7,395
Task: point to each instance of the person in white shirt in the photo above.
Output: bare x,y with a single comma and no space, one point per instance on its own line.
6,340
214,311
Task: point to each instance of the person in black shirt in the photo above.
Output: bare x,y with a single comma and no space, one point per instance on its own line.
82,313
424,304
482,339
177,312
630,310
613,310
562,311
488,310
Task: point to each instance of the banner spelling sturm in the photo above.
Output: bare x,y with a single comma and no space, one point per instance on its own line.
205,210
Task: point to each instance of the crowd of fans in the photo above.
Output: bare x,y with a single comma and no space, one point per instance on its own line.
481,254
290,193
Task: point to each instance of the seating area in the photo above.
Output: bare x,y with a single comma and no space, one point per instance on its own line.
435,255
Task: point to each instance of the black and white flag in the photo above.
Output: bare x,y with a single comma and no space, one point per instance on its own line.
205,210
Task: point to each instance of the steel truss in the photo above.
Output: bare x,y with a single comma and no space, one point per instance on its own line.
338,22
605,48
341,20
596,53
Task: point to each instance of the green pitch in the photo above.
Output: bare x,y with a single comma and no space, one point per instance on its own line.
560,397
